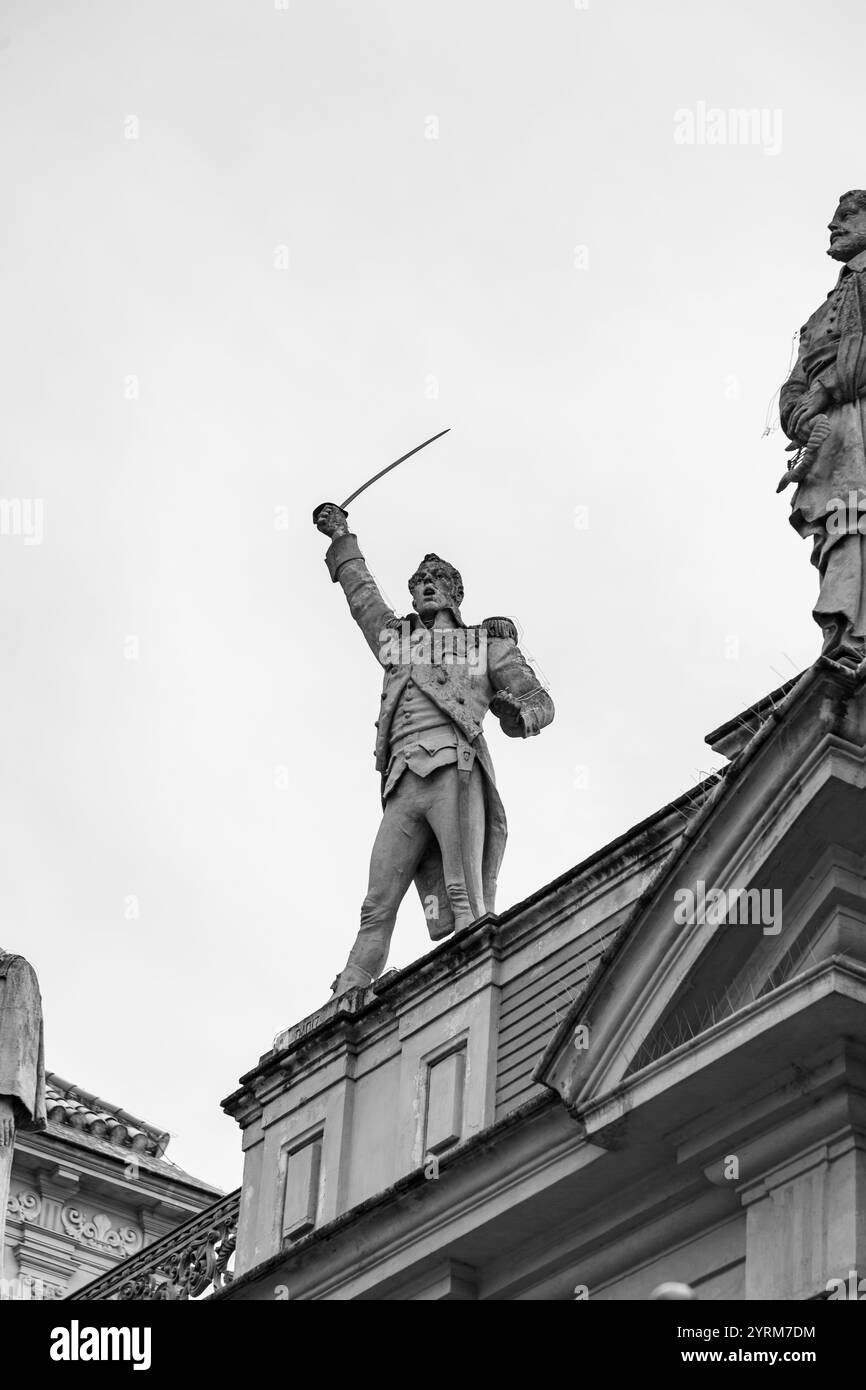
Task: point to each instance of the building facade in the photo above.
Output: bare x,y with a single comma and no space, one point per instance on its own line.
651,1070
88,1192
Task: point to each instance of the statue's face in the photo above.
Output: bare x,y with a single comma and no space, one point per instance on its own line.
432,591
847,231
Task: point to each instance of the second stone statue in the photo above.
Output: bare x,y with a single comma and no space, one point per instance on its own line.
823,412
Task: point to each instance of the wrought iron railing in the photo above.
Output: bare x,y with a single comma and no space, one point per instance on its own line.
190,1262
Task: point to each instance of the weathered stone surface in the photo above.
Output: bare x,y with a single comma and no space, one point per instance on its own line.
380,1075
644,1101
443,823
88,1193
823,411
22,1065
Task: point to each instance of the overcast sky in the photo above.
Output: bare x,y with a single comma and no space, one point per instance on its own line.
250,254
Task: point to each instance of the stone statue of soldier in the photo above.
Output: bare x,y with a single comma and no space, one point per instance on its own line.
22,1065
823,412
443,823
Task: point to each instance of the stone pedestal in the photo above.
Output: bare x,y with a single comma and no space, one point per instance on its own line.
399,1074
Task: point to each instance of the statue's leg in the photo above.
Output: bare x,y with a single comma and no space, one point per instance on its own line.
857,635
399,845
461,855
473,837
6,1153
841,607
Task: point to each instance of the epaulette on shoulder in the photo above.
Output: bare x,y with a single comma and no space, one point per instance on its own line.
500,627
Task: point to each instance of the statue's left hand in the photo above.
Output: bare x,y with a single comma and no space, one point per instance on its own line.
510,713
815,402
7,1123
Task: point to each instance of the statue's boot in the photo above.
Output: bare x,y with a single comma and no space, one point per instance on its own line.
457,924
351,977
841,644
438,931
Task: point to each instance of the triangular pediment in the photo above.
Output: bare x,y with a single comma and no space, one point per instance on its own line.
747,959
767,883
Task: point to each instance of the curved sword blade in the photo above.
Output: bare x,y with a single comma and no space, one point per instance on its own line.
383,471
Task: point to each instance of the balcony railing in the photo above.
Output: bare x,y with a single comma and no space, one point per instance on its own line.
189,1263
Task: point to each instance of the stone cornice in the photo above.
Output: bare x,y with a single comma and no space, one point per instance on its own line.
831,981
479,1184
110,1173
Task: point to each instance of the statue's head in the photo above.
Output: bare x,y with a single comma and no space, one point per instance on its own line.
436,585
848,228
